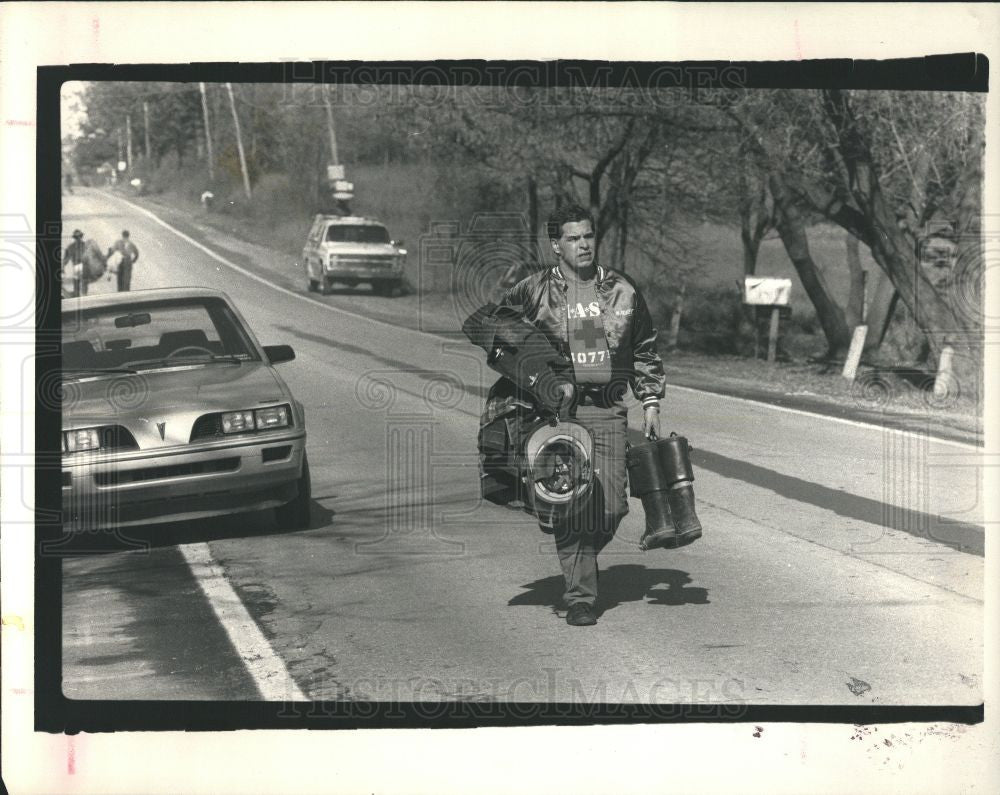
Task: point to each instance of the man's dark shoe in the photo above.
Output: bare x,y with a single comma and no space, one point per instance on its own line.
581,615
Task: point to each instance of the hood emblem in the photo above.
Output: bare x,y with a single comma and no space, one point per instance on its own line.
162,428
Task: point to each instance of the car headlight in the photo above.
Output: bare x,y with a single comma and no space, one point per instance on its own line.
256,419
81,439
272,417
237,421
332,262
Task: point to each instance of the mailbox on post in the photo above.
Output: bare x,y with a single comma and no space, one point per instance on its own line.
760,291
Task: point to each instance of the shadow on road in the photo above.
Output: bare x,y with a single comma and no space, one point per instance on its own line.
619,584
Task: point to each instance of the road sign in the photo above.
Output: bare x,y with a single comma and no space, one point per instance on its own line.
334,172
342,195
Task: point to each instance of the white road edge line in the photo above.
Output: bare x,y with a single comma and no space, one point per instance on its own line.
842,420
338,310
263,664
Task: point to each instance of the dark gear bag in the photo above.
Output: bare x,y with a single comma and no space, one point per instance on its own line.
521,353
94,262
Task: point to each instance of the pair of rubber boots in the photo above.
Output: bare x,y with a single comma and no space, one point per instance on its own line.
660,474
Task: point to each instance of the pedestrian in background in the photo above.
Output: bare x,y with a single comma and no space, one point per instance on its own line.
128,254
73,257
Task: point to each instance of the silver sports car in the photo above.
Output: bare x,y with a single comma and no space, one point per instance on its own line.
172,410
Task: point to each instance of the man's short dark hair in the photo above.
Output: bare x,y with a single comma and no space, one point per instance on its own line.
567,214
124,233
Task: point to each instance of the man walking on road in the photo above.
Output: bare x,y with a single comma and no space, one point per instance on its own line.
598,318
129,254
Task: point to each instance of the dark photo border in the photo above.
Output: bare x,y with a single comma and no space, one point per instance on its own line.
965,72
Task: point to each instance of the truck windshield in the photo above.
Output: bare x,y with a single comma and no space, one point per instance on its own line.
343,233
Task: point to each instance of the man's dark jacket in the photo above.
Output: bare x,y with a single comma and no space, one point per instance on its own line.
628,327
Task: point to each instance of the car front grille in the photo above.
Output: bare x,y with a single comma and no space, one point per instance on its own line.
370,261
124,476
208,426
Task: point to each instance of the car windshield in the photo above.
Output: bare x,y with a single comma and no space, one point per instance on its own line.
346,233
145,336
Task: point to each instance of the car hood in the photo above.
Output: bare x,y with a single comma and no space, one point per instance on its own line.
152,396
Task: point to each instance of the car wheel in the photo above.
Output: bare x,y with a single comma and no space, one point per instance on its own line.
325,288
313,285
295,515
386,289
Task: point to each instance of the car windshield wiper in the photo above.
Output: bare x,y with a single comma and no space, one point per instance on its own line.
184,360
78,371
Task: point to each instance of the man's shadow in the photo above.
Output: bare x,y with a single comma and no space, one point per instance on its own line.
628,582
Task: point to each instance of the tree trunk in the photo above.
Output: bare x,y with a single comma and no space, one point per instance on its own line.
856,295
880,309
751,248
622,237
755,216
675,317
935,312
791,228
534,260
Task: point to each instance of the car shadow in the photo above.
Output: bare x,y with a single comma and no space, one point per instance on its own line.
133,539
620,584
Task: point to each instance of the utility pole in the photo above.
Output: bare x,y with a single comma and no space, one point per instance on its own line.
208,134
335,159
145,124
239,142
128,133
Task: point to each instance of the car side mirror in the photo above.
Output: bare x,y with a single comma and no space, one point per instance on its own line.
276,354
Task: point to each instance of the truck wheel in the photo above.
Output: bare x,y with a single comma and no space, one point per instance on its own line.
325,287
313,285
295,515
384,288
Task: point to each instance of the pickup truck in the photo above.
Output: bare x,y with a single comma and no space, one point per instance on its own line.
350,250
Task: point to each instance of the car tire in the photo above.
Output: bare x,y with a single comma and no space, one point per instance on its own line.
385,288
325,287
313,285
295,515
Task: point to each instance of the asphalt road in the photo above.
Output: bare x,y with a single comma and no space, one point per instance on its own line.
823,576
